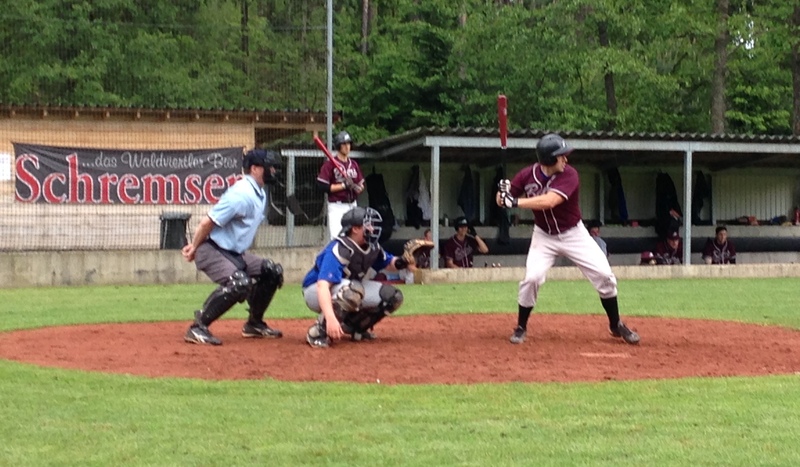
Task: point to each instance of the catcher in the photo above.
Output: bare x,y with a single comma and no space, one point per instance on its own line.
337,288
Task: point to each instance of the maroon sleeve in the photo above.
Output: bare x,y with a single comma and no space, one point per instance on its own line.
660,251
449,249
326,173
566,183
519,181
708,249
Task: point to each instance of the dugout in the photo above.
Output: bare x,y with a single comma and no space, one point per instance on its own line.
748,176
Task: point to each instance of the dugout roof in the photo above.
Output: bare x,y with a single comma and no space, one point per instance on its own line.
481,146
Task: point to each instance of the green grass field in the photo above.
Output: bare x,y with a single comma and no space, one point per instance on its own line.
59,417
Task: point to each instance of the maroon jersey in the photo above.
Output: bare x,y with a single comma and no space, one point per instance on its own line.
531,181
666,255
723,253
330,175
460,252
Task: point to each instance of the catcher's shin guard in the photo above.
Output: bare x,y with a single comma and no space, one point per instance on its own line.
267,283
391,299
348,298
224,297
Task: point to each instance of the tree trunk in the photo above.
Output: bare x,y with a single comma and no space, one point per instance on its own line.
245,46
611,94
364,27
720,68
796,72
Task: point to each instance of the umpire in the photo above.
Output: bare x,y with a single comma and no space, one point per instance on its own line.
218,249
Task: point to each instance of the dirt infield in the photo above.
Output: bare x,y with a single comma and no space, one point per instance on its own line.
450,349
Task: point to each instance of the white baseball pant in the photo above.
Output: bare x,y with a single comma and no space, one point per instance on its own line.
335,213
577,245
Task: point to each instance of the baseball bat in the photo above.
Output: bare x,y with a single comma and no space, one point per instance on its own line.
502,118
321,145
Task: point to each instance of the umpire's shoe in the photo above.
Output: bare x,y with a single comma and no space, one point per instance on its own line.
259,330
624,333
317,337
199,334
519,335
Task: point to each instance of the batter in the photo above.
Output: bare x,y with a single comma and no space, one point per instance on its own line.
550,189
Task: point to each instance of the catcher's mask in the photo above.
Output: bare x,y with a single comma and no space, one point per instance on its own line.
367,217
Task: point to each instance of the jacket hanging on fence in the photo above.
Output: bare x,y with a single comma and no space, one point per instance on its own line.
418,199
616,197
499,215
702,190
379,201
667,206
466,195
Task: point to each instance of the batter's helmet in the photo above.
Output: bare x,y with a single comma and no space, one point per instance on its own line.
263,158
550,147
368,217
341,138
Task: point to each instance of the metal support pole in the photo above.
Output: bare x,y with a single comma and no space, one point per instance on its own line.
435,174
290,184
687,208
329,103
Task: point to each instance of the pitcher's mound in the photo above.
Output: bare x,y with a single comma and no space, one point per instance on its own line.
422,349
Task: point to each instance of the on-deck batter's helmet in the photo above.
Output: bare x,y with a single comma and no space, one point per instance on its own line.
341,138
264,158
550,147
368,217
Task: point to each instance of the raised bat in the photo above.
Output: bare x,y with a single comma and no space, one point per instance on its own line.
321,145
502,119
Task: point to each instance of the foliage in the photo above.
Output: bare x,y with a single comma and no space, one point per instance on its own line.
431,63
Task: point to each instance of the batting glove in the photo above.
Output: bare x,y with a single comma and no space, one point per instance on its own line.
508,201
504,185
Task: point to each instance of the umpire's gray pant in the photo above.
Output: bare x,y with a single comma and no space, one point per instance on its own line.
219,268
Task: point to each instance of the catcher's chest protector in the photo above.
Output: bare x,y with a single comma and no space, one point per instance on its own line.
356,260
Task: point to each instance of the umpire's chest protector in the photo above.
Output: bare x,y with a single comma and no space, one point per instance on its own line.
356,260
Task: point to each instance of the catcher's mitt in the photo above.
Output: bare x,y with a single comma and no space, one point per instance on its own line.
415,247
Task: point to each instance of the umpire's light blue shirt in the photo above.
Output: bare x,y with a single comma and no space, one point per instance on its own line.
238,214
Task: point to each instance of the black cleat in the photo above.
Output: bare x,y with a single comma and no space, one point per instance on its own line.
199,334
519,335
317,337
260,330
624,333
367,335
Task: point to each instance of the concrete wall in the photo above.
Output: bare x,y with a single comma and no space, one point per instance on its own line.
37,269
41,269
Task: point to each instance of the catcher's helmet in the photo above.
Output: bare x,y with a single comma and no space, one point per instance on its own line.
550,147
341,138
368,217
264,158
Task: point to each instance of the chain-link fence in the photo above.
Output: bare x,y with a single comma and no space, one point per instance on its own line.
119,128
